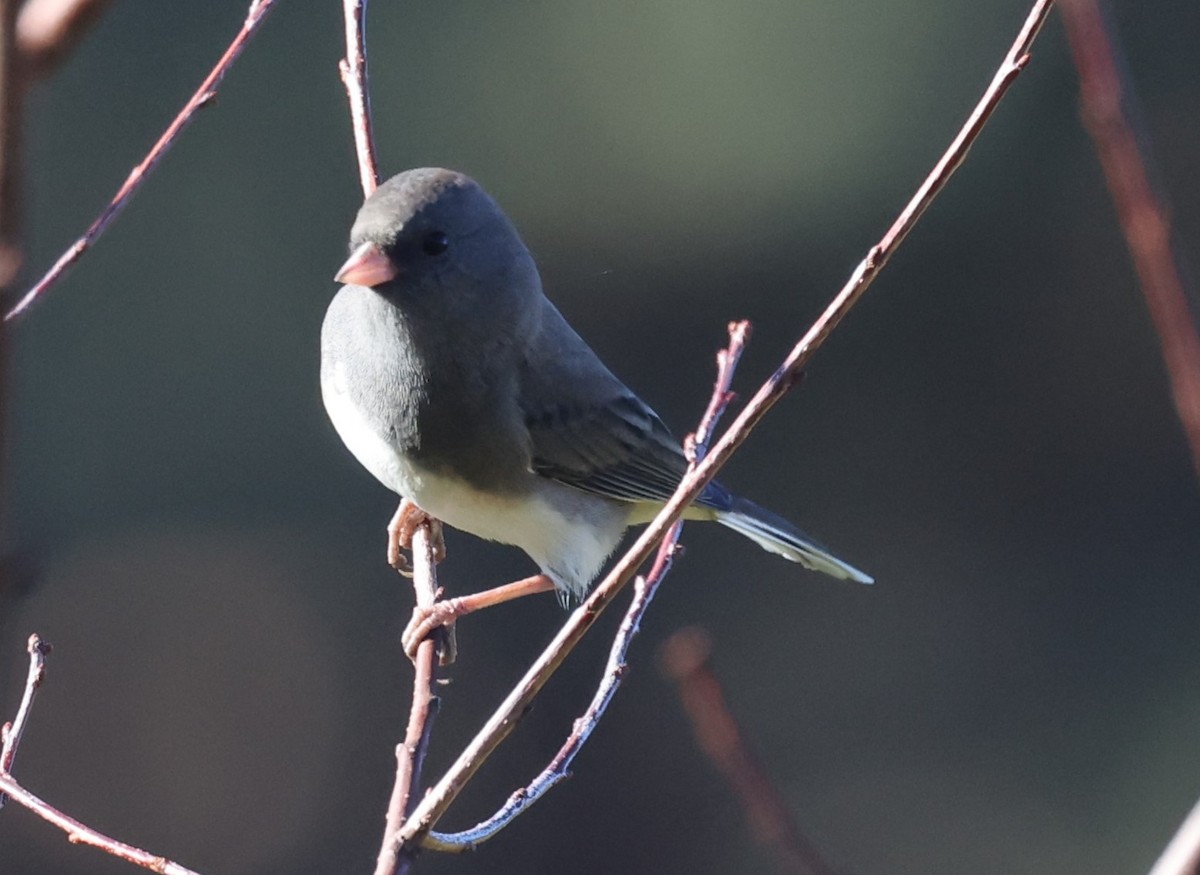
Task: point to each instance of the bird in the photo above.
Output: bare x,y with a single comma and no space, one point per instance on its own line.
454,380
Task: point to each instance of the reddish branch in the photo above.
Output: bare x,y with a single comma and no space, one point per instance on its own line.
644,590
35,36
77,833
203,96
685,660
503,720
410,754
1142,212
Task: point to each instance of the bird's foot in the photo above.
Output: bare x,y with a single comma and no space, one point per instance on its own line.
436,619
407,519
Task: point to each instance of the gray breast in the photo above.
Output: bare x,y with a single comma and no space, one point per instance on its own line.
434,400
368,357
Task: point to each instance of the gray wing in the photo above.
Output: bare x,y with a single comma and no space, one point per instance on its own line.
587,430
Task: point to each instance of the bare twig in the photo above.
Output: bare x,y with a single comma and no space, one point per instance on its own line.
10,733
644,589
353,68
410,755
504,719
77,833
48,30
685,660
204,94
1143,214
1182,854
81,834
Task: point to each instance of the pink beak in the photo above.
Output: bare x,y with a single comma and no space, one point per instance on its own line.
367,266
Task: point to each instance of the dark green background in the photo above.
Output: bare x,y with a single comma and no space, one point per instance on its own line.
990,434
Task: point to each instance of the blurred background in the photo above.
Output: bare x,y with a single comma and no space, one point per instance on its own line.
990,434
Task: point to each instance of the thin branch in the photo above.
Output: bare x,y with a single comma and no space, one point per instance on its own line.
1182,854
685,660
353,68
77,833
504,719
203,96
81,834
1143,213
644,590
410,755
49,30
10,733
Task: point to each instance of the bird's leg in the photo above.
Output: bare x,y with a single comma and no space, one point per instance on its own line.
443,613
407,519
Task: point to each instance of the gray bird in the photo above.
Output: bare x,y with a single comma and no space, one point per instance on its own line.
453,379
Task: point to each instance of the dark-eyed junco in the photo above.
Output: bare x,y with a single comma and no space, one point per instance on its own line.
453,379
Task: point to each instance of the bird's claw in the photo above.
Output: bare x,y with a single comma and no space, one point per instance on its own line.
436,619
407,519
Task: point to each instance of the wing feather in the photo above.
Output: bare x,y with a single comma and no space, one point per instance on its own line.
587,430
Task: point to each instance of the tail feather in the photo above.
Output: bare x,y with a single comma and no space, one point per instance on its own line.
776,535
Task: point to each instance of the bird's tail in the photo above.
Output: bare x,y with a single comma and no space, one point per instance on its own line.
776,535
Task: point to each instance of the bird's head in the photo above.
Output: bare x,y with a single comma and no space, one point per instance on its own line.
436,232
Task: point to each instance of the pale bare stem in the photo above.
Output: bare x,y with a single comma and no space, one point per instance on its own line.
1182,855
203,96
696,444
685,660
77,833
48,30
410,755
509,712
10,733
81,834
644,589
354,77
1143,212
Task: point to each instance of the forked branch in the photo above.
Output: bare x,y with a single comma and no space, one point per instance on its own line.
77,833
644,589
503,720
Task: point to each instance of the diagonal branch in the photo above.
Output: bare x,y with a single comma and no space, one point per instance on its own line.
1182,854
1143,212
77,833
685,659
504,719
203,96
644,590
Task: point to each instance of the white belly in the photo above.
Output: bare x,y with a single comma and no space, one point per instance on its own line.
568,533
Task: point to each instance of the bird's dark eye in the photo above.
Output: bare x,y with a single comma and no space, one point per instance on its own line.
435,243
